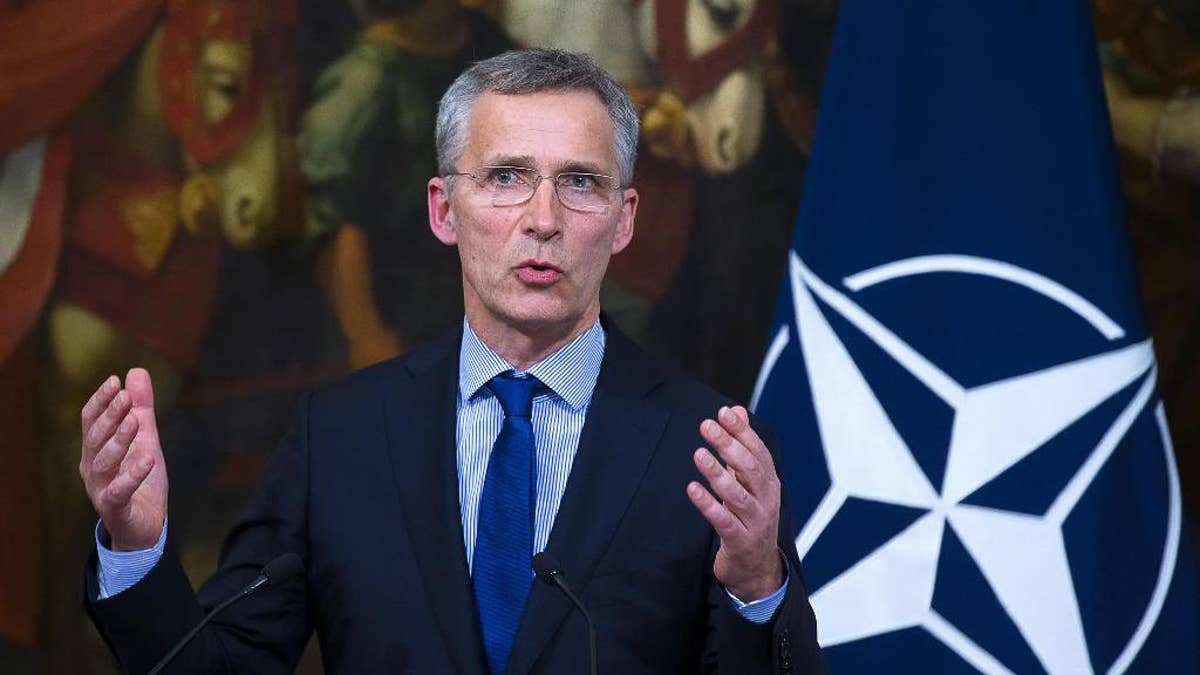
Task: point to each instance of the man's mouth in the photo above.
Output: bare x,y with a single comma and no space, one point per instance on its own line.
538,273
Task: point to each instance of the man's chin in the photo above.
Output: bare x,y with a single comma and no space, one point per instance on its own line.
540,322
542,319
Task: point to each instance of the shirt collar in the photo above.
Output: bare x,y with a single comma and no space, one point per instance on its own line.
570,372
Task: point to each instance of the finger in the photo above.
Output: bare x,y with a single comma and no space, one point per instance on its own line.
109,458
121,489
730,449
99,402
137,382
727,526
736,421
141,392
726,486
104,426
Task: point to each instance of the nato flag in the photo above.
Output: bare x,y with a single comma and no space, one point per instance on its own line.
959,373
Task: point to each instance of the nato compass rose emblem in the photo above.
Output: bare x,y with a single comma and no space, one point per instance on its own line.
1021,557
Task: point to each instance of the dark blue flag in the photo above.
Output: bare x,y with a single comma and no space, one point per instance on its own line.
959,373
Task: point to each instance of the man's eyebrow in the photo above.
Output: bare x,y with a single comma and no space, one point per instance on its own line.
579,167
569,166
512,160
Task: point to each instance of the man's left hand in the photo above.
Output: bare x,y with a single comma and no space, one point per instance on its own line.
743,506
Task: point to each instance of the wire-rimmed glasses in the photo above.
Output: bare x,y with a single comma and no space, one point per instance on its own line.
577,190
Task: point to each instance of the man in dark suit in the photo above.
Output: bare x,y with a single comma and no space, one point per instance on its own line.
417,491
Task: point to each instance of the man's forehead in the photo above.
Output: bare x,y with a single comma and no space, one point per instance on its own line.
538,99
553,128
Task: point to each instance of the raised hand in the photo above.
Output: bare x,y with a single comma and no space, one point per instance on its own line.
745,508
122,462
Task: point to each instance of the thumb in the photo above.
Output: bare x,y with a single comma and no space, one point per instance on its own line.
141,390
141,395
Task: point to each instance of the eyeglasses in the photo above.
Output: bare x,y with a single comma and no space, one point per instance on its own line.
513,185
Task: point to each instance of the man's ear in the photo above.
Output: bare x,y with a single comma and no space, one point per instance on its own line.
624,233
441,220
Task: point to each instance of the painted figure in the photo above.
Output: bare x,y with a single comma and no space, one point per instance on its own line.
1151,60
188,138
366,147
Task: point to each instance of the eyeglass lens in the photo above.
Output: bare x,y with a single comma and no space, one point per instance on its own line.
578,191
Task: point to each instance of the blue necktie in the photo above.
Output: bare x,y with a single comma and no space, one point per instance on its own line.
502,571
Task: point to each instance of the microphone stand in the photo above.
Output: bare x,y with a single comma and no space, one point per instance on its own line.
549,572
280,569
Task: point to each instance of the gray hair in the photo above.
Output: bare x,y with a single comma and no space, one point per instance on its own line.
526,72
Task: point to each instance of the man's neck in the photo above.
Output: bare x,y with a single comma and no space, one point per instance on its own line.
523,346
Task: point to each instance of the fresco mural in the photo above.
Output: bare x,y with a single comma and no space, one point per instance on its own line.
231,193
1150,52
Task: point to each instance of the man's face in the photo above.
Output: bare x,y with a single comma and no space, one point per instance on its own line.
534,267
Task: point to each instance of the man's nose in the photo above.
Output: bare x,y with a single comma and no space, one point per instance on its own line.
545,214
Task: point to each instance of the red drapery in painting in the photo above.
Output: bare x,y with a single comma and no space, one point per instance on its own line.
23,288
54,53
53,56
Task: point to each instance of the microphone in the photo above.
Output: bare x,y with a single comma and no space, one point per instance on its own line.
282,568
550,572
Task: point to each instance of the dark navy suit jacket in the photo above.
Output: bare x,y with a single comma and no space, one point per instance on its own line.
364,489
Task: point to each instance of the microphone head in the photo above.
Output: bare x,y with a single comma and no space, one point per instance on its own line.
283,567
546,566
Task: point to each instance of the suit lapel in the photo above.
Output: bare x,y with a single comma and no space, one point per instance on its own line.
619,438
421,416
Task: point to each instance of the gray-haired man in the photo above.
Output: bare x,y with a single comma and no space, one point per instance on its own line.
417,491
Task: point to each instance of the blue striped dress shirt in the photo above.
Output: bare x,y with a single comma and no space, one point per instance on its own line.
570,375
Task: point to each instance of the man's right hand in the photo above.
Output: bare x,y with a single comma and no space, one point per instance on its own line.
122,461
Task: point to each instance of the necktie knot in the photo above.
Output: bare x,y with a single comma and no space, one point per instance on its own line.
515,393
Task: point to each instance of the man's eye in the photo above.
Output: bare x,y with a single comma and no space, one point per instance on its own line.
579,181
501,177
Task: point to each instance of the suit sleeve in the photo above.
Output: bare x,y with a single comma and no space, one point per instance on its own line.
787,644
263,633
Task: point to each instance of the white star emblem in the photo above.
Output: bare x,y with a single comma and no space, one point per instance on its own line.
1022,556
